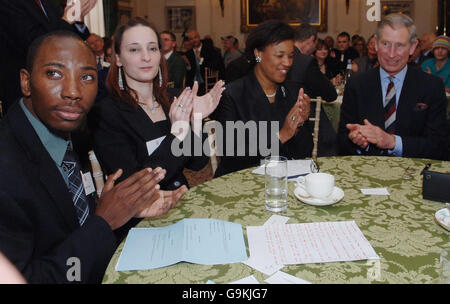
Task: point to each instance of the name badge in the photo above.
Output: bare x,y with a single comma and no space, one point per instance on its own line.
88,183
152,145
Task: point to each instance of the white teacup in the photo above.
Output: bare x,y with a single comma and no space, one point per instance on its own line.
318,185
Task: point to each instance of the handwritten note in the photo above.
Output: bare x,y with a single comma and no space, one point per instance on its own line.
310,243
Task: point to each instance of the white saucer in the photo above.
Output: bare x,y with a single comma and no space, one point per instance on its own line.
332,199
443,218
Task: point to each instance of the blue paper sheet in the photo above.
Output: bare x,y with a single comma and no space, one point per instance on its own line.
200,241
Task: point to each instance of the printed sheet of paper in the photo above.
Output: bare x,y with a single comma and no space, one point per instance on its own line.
295,168
309,243
201,241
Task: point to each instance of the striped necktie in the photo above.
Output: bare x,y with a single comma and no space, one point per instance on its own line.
390,108
72,167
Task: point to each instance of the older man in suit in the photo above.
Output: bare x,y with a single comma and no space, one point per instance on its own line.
21,22
395,109
50,226
201,55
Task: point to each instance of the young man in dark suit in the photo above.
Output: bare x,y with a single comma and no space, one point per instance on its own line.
49,222
21,22
175,64
395,109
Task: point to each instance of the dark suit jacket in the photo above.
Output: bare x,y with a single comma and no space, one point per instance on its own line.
422,127
341,62
21,22
244,100
177,69
305,70
39,229
119,136
212,59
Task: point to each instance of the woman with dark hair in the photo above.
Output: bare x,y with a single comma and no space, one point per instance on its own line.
138,126
262,102
327,64
369,61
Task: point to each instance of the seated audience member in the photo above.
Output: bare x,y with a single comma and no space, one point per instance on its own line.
414,58
344,51
439,65
231,49
202,55
394,110
330,42
369,61
97,45
305,69
45,216
175,64
107,49
324,60
426,47
359,44
137,126
264,96
23,21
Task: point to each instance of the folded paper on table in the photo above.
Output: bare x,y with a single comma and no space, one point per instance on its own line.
200,241
375,191
295,168
285,278
309,243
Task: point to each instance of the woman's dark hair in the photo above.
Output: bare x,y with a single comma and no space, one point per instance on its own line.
322,44
267,33
112,81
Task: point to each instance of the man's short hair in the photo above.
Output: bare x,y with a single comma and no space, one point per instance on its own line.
344,34
172,35
304,32
233,39
396,21
35,46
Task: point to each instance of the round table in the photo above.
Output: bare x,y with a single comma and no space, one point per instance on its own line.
400,227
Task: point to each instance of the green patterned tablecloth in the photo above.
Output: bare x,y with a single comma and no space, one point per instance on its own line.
400,227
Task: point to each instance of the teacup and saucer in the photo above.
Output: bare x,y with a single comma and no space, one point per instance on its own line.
318,189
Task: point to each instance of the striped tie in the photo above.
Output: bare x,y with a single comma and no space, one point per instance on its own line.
80,201
390,108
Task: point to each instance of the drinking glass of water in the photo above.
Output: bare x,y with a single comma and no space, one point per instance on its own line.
276,183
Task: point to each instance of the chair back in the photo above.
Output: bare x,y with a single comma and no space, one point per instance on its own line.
317,103
171,84
97,173
211,77
210,127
